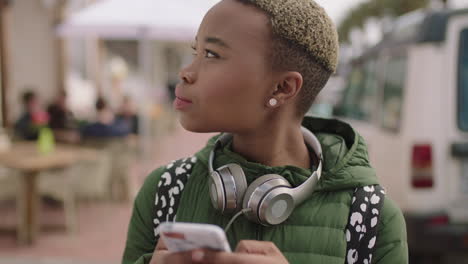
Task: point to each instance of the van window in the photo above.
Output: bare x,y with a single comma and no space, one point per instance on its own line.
463,81
359,98
395,76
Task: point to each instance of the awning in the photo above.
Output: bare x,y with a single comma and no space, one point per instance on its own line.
133,19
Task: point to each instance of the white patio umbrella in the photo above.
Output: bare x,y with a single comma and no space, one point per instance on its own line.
135,19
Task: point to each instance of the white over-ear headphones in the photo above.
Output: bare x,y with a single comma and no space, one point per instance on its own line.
269,199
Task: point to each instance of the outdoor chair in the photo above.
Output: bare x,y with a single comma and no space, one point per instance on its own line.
94,177
60,184
9,184
120,153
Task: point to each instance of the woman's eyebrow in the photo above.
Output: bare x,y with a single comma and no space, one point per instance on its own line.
216,41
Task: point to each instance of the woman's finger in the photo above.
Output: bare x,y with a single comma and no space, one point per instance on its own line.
161,245
258,247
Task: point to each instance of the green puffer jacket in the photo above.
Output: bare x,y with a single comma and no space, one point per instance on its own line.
314,233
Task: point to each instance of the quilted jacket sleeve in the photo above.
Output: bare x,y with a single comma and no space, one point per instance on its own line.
141,241
392,247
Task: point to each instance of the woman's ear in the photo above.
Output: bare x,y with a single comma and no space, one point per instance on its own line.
288,87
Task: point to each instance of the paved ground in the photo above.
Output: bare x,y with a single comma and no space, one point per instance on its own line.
102,226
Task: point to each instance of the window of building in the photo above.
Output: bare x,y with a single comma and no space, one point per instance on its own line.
463,81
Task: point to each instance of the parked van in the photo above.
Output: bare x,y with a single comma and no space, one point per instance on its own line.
408,97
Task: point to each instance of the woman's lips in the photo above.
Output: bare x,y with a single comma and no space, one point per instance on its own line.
181,103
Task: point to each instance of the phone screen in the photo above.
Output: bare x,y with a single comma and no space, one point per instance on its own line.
186,236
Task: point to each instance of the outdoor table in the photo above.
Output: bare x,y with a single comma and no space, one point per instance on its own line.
25,158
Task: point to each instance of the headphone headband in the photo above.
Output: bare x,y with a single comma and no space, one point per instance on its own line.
270,199
302,191
220,141
309,138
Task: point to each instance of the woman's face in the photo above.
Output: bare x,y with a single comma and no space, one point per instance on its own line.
227,85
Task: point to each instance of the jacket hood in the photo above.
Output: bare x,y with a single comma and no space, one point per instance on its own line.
345,164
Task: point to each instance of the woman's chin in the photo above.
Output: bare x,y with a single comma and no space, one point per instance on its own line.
194,126
194,123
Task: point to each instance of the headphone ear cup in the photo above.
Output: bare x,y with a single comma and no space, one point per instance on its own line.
240,182
217,193
257,191
276,206
234,185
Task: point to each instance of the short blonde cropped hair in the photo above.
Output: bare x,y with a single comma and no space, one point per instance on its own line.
305,39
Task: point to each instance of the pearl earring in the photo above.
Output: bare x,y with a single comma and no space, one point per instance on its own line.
273,102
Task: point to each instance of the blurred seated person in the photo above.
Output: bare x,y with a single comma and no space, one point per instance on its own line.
32,119
106,124
62,121
128,113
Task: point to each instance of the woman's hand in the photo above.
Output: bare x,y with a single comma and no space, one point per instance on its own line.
247,251
162,256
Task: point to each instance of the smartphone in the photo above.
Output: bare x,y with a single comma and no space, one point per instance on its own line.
180,237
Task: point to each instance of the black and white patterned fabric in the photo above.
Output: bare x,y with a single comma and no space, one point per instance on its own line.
361,231
170,189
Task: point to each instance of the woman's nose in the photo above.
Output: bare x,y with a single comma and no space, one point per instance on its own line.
187,76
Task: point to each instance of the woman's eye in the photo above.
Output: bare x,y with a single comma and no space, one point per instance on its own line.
210,54
207,53
194,51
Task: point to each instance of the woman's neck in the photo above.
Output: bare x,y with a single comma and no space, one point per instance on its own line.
274,146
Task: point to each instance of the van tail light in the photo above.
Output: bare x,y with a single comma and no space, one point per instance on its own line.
438,220
422,167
